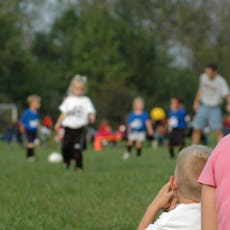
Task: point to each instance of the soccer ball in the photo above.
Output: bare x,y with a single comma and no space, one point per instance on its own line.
55,157
158,114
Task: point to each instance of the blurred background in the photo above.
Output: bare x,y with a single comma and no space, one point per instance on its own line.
151,48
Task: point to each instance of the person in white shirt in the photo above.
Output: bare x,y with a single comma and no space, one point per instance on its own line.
207,104
77,111
180,197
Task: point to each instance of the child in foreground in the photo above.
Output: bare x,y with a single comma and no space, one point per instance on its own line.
77,111
29,124
180,197
138,124
215,180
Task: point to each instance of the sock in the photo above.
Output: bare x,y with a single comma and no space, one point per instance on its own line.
30,152
129,149
139,152
171,152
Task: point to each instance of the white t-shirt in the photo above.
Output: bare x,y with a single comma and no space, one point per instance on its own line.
213,90
183,217
76,110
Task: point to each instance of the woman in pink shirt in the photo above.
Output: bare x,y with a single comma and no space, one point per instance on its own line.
215,180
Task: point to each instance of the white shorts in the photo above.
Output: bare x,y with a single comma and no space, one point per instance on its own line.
137,136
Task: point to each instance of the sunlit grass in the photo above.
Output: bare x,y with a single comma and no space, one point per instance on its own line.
110,194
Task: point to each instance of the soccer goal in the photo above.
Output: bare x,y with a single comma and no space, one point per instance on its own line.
9,111
8,116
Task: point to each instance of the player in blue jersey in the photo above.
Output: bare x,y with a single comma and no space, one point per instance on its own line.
29,124
138,124
177,125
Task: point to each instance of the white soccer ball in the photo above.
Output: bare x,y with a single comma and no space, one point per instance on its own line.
55,157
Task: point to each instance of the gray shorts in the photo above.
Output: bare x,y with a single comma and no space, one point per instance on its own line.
137,136
210,115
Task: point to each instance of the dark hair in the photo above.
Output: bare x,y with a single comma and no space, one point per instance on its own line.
212,66
179,99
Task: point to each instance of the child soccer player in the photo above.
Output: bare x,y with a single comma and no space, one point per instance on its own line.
215,180
76,112
30,122
138,124
180,197
177,125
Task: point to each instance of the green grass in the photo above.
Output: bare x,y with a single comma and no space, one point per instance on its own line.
109,194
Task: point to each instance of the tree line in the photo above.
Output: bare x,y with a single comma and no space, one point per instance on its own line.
125,48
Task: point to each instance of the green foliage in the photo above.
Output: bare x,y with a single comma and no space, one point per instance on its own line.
17,78
121,46
119,60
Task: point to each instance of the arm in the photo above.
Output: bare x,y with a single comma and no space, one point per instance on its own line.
91,111
149,127
22,123
21,128
228,98
59,121
228,103
163,200
128,129
208,208
196,102
92,117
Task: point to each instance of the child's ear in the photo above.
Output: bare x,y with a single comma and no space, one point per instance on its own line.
173,183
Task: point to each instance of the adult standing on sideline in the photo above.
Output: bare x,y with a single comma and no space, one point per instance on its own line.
207,104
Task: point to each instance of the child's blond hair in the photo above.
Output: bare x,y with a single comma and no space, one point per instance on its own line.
78,79
190,163
138,99
33,97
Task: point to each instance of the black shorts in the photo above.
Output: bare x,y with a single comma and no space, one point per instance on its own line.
31,135
74,138
177,137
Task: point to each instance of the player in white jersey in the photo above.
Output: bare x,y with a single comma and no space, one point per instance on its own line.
207,104
77,111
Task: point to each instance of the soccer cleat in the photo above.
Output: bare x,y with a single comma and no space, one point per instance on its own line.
67,166
31,159
79,170
155,144
126,156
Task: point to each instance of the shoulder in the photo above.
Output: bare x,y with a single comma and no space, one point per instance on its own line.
65,103
225,140
67,99
184,210
203,76
182,110
25,112
86,98
222,147
179,216
170,111
221,79
145,114
131,115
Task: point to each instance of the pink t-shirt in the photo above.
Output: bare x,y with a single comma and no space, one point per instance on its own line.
216,173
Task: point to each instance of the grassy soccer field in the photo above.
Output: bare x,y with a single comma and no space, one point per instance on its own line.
110,194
